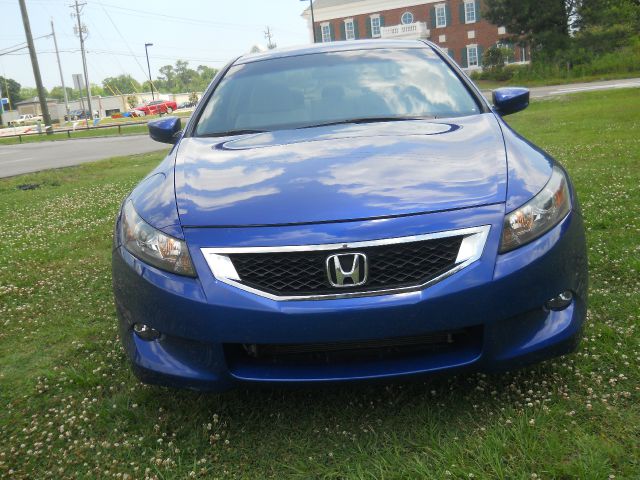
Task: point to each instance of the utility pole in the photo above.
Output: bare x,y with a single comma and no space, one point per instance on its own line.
1,105
46,118
146,50
64,89
81,31
268,35
313,22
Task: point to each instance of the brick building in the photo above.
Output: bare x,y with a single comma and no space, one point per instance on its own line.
457,26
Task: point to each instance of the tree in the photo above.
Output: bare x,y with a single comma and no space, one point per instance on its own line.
10,89
206,75
495,57
58,93
605,25
97,90
543,24
180,78
168,78
607,13
122,84
29,93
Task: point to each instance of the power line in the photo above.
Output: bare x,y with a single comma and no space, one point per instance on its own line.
174,18
122,36
127,54
20,46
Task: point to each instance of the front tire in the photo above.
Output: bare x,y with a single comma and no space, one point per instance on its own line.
169,110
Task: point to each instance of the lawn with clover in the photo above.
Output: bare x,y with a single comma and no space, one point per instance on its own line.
70,407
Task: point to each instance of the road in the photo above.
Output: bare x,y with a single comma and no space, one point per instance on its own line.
33,157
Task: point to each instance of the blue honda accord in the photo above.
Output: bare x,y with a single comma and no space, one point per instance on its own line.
342,212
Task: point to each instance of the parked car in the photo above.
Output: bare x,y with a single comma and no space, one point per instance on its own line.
189,104
78,114
25,120
157,107
343,212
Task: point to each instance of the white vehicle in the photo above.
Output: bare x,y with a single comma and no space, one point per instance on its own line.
25,119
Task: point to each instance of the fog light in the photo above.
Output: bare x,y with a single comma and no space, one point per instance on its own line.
145,332
560,302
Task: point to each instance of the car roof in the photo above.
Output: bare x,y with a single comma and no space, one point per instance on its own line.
340,46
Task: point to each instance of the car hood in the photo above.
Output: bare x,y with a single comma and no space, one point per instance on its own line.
339,173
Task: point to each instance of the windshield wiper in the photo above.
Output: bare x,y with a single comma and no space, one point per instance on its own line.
361,120
230,133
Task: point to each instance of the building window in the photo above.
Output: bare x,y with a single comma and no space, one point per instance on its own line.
349,30
502,30
471,34
407,18
469,11
472,56
442,38
326,32
441,16
375,26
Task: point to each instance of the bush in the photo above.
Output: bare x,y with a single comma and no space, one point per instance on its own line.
573,64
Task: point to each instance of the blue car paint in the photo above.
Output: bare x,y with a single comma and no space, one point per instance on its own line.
505,294
510,100
165,130
341,172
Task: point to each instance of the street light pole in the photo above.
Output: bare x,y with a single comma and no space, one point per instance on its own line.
146,50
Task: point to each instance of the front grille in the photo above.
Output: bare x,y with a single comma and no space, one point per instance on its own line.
390,267
356,351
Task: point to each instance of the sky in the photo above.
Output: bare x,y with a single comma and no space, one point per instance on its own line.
203,32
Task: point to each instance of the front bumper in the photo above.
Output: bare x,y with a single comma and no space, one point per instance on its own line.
499,299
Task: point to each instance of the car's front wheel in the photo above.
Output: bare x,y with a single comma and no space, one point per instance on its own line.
169,110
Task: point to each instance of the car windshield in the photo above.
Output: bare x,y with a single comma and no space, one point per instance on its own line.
324,88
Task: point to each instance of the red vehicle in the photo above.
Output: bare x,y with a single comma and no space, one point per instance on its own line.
156,107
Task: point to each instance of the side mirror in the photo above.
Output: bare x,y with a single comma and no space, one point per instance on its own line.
510,100
165,130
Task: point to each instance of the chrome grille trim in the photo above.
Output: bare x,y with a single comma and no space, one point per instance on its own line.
224,271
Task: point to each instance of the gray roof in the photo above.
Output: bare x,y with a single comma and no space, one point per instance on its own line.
35,100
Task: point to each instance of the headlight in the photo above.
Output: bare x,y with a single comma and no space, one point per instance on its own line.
152,246
538,215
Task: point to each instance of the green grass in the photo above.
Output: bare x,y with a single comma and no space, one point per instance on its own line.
70,408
